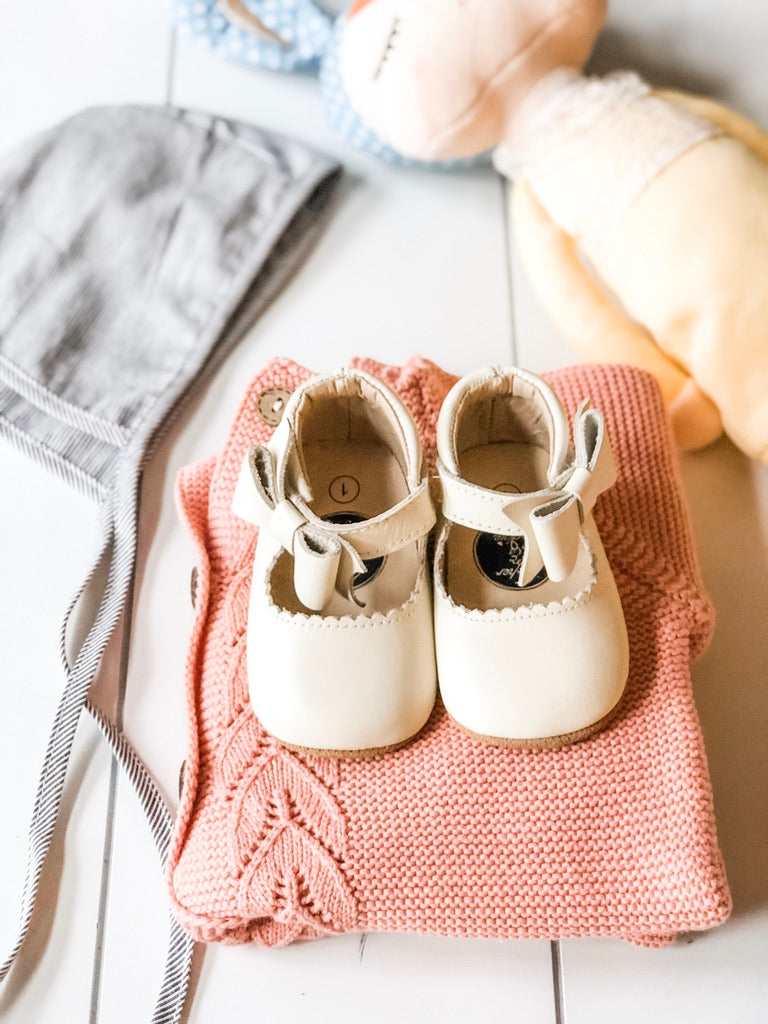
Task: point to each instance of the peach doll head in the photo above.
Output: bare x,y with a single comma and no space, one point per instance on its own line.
439,79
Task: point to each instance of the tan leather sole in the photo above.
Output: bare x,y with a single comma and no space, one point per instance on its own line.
545,742
353,755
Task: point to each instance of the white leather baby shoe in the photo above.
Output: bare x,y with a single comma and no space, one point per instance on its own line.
531,643
340,644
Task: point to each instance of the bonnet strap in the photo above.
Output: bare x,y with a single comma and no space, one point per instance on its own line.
118,533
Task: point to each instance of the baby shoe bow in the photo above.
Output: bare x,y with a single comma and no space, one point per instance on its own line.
557,522
327,556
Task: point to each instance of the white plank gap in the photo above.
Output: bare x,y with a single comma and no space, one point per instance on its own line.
509,260
170,70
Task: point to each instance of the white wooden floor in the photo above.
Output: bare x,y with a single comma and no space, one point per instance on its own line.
410,262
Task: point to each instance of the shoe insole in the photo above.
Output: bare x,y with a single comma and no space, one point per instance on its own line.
482,569
349,482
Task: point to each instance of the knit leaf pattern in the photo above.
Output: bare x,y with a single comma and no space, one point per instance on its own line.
613,836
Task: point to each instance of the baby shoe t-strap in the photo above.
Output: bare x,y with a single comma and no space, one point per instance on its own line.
531,641
340,637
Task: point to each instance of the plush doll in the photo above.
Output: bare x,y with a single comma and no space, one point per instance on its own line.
642,217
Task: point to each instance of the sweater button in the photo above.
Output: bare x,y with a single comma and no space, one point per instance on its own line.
270,405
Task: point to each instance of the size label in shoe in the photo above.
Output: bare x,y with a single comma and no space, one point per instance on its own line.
344,489
373,566
500,559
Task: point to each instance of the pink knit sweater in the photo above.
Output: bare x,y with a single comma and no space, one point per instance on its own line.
613,836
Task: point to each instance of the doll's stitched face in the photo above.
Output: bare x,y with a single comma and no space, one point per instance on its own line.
425,74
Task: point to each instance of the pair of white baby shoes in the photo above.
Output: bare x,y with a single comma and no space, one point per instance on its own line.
522,624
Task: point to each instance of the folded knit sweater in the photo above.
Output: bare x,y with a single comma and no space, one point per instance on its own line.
612,836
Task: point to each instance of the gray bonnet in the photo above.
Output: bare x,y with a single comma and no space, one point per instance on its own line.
136,245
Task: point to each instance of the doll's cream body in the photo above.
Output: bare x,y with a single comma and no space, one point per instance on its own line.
672,214
690,260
